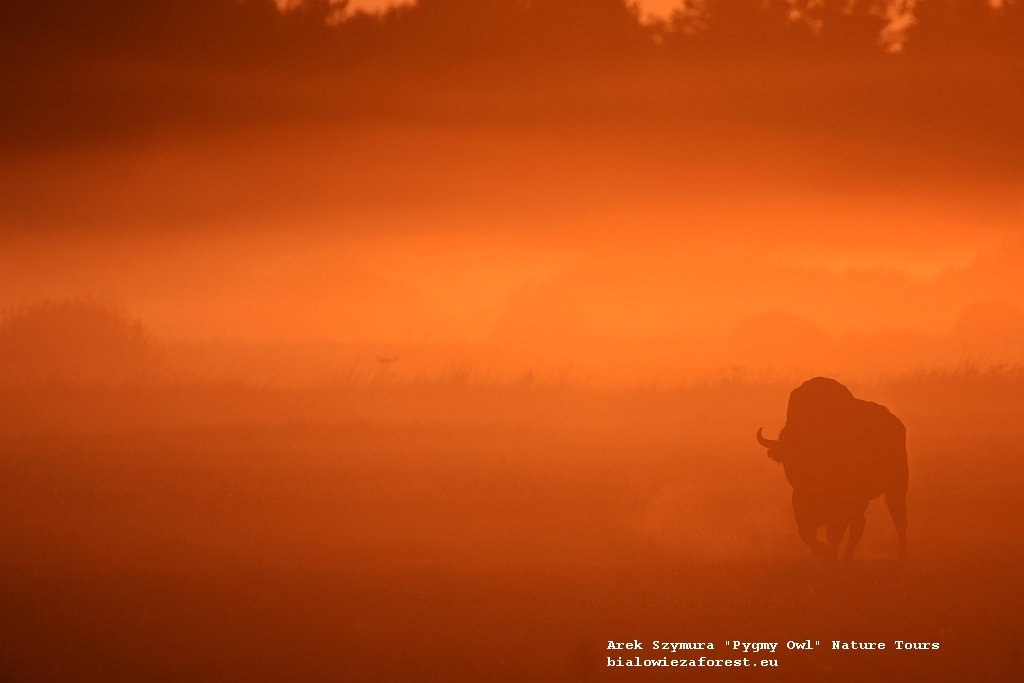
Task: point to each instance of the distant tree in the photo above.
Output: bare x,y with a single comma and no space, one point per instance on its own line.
779,27
455,29
844,26
317,14
593,26
965,28
153,26
71,340
516,28
737,27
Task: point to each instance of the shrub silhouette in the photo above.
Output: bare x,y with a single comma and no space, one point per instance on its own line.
71,341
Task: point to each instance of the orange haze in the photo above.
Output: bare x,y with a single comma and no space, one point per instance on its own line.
431,344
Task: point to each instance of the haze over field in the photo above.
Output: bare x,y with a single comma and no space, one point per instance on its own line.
363,341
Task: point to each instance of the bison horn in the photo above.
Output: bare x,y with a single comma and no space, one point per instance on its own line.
767,443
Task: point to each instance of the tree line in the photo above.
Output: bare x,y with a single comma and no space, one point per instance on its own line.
328,32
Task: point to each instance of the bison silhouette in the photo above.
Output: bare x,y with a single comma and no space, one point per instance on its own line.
839,453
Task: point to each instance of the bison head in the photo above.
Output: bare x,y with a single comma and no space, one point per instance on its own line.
771,444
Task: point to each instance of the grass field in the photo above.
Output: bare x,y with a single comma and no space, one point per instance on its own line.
475,533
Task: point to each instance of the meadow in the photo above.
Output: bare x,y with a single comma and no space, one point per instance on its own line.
448,531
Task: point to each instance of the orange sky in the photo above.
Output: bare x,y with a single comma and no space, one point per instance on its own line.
673,206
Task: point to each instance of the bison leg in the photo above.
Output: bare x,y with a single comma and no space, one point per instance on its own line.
897,503
809,534
807,524
834,531
857,523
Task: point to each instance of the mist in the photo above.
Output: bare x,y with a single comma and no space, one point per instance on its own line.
354,341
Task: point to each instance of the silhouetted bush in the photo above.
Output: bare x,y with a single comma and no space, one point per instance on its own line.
71,341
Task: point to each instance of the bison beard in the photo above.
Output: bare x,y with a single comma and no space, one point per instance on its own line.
839,453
